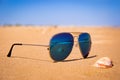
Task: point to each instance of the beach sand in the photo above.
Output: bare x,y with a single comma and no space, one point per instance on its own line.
34,63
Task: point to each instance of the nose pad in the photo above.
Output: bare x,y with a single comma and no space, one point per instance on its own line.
76,44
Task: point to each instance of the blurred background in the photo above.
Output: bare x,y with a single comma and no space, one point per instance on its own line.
60,12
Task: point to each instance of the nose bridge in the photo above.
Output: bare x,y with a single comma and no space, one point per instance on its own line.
76,36
76,40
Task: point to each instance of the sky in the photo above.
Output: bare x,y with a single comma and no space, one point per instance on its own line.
60,12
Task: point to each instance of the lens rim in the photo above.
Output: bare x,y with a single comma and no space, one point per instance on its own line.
85,55
57,35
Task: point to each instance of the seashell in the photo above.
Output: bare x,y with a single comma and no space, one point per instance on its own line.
103,62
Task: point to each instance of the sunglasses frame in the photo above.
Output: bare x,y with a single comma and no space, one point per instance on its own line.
48,46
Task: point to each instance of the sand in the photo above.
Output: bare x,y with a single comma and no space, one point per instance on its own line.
34,63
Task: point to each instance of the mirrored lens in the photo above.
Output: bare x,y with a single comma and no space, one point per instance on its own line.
60,46
84,44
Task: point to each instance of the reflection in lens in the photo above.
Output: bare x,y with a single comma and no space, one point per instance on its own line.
84,44
60,46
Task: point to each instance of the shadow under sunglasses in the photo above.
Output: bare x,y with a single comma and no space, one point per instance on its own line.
69,60
61,45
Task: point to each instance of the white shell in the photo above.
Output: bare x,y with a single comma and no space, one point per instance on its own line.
104,62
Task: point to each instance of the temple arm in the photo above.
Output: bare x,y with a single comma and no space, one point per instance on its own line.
20,44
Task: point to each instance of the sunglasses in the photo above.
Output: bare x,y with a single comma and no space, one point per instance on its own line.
61,45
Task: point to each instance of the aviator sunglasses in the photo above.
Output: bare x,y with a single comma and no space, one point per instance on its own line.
61,45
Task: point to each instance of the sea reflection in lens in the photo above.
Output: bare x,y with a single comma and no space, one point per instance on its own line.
60,46
84,41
